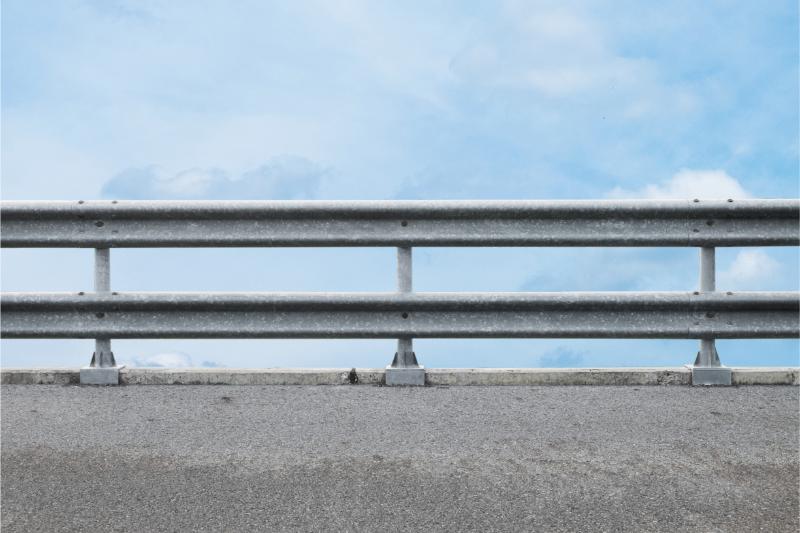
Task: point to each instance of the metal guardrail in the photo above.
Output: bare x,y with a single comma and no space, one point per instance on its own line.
704,314
400,223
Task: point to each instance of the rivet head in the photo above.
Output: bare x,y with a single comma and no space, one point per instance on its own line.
696,293
710,223
730,200
404,223
709,315
695,230
696,200
729,293
81,293
113,201
100,315
80,201
99,223
405,315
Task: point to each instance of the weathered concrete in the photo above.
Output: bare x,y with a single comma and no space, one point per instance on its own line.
273,458
559,376
40,376
216,376
766,376
376,376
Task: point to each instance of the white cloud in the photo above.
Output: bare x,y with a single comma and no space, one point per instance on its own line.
280,178
705,184
750,269
556,51
164,360
169,360
192,183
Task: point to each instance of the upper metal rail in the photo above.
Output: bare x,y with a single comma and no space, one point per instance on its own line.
117,224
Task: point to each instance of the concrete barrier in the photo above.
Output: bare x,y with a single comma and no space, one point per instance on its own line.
375,376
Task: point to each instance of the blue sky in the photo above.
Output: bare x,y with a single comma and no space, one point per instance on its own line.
343,100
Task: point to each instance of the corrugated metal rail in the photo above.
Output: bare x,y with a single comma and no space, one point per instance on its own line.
388,315
704,314
400,223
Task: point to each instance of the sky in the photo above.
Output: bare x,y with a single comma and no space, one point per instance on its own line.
112,99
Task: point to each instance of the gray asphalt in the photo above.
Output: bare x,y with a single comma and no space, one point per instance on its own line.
363,458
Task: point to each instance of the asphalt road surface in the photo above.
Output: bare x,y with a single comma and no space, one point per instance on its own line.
368,458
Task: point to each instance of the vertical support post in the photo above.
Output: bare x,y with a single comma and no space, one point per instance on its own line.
405,345
103,369
103,357
708,283
707,369
404,369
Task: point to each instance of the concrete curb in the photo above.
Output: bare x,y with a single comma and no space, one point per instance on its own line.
40,376
559,376
766,376
375,376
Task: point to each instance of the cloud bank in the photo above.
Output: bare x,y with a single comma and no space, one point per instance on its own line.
704,184
169,360
751,270
282,178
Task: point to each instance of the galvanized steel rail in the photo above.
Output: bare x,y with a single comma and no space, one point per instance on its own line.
704,314
400,223
390,315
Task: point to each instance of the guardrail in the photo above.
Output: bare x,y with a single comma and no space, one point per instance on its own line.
704,314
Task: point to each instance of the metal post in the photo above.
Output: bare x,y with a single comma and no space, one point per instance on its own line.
707,369
405,345
708,283
103,369
404,369
103,357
